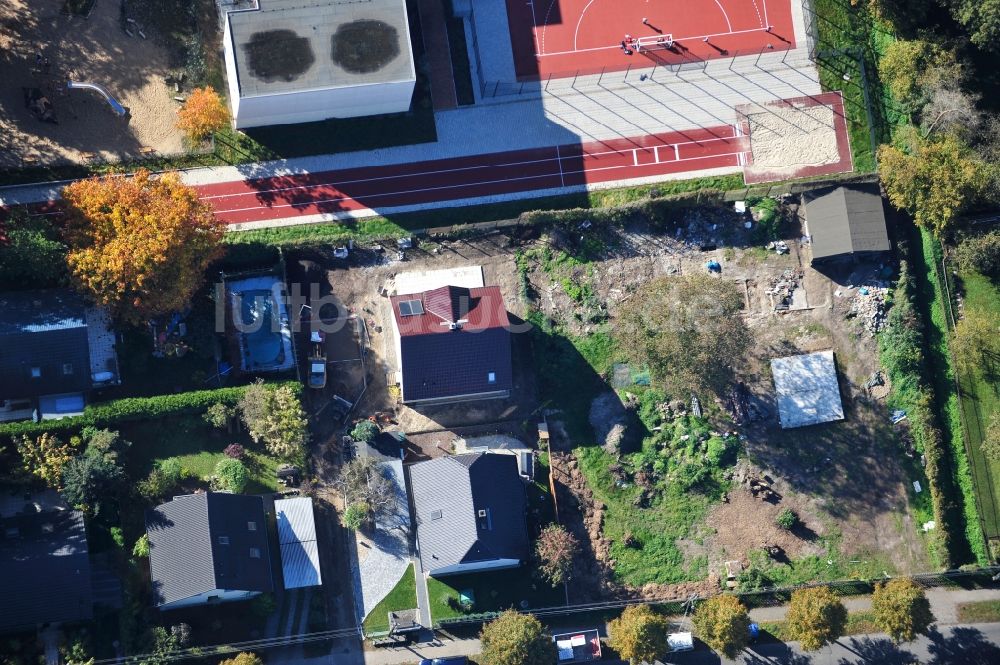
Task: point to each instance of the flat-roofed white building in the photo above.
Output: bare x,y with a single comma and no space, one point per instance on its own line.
293,61
807,389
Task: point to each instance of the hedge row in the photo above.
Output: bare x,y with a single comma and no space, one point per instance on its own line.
902,353
658,211
117,411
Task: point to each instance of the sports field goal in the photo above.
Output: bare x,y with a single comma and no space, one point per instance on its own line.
653,42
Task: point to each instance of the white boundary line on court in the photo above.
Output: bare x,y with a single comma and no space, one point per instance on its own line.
676,39
725,15
534,21
576,33
558,156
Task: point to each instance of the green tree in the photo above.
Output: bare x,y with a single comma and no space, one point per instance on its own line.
980,253
219,415
934,179
516,639
31,254
687,330
356,515
274,417
93,481
555,548
45,457
639,635
976,342
991,440
233,474
901,609
816,617
980,18
244,658
365,431
723,624
141,548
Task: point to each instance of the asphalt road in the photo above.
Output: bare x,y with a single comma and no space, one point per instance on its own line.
953,645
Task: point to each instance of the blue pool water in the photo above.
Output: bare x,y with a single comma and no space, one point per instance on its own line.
265,340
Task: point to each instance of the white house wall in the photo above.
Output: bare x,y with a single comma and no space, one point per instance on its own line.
202,598
312,105
475,567
231,80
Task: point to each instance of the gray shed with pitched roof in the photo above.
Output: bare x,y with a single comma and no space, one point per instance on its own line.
846,222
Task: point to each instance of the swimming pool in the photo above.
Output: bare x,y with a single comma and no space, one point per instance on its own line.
261,322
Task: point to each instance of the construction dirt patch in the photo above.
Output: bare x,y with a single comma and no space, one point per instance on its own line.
41,49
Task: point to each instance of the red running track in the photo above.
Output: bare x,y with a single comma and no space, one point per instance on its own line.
347,191
422,183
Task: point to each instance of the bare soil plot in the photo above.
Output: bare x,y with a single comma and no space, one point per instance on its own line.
96,50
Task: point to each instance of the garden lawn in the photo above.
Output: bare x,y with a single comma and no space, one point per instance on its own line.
980,400
402,597
197,446
982,611
493,591
858,623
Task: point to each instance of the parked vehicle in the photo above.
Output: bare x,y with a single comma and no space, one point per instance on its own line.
317,371
451,660
680,642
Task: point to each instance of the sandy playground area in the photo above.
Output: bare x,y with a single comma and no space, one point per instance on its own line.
96,50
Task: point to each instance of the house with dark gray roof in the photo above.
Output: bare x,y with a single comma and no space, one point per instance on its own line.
845,223
470,512
54,349
208,548
45,574
453,345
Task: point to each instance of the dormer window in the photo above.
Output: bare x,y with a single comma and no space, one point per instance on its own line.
254,552
251,526
67,369
492,377
36,372
223,540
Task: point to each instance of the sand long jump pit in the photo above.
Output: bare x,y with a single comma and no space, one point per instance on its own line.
795,138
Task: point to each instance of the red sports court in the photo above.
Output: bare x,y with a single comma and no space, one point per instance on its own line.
562,38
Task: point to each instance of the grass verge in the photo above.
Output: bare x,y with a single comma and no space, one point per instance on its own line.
980,400
980,611
858,623
402,597
492,591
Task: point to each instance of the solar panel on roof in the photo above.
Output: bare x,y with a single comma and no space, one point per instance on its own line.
411,308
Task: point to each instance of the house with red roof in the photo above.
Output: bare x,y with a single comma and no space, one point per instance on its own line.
453,345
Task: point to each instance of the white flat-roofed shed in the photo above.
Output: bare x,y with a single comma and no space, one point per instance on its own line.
297,542
807,389
294,61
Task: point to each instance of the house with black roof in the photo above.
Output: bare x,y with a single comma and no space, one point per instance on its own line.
208,548
45,573
54,349
453,344
470,513
845,223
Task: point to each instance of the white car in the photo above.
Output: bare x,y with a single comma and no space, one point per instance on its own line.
680,642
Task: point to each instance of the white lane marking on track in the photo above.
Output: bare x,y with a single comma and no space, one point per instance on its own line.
441,171
341,199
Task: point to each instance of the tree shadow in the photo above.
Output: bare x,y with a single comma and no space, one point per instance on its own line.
877,650
964,645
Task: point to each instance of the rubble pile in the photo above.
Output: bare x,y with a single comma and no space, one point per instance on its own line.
868,305
783,287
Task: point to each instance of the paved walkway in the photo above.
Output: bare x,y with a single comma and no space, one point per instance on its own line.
388,557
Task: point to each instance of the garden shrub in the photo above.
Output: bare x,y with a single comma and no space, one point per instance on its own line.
232,474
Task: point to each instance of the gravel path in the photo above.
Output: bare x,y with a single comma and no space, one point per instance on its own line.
388,556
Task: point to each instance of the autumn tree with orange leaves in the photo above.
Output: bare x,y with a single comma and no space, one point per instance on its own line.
139,245
203,113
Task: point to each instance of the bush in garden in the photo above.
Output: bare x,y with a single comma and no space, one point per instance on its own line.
232,474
